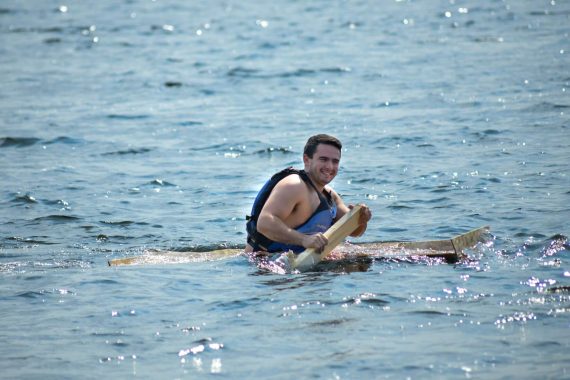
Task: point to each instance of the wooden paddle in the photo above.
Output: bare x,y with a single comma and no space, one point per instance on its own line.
335,235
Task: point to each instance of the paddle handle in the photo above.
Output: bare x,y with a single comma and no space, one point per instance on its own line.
335,235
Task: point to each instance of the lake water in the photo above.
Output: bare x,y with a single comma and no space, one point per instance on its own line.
152,124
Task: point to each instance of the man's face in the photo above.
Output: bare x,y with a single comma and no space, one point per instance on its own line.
323,167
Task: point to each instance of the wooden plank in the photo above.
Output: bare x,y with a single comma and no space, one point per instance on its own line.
335,235
469,239
175,257
450,249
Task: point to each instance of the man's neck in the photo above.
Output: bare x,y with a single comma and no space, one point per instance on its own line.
318,186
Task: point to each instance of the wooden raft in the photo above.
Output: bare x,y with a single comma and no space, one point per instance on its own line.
450,249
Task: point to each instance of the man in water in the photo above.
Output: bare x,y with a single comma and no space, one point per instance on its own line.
295,207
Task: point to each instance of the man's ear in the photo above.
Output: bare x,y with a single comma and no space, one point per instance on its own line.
305,159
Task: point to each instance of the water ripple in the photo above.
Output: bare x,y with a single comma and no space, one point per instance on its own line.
18,142
130,151
242,72
65,140
127,117
25,199
58,218
30,240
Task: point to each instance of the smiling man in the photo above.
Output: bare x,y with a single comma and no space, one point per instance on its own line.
295,207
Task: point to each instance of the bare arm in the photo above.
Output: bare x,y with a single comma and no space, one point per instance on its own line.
282,202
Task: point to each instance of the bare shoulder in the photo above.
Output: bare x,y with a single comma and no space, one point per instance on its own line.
286,195
292,179
291,186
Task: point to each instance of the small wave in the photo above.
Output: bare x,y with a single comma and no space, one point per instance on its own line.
332,322
548,12
486,134
272,150
52,40
172,84
202,345
236,304
58,202
547,106
295,73
486,39
399,207
18,142
369,299
103,281
119,333
161,182
556,244
393,140
30,240
120,223
439,200
441,189
385,104
364,180
242,72
428,312
189,123
208,148
128,152
113,238
30,294
27,199
127,117
36,30
58,218
336,70
64,140
267,46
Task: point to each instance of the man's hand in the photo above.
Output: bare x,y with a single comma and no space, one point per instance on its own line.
316,241
365,216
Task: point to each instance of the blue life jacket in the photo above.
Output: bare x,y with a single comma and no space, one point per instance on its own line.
321,219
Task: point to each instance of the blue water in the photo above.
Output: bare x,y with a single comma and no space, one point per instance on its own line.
152,124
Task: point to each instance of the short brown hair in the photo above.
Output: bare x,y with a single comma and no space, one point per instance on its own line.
313,141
